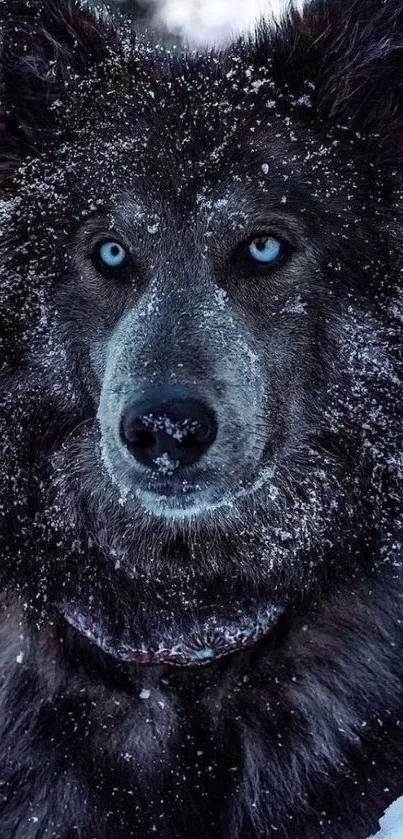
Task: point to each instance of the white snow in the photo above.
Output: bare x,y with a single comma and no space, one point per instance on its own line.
392,822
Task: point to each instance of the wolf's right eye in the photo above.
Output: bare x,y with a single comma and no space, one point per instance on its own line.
110,255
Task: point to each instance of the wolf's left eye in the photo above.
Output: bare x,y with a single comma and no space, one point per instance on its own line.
111,254
266,249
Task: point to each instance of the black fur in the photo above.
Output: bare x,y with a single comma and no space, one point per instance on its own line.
187,158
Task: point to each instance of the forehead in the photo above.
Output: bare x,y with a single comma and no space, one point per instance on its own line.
181,132
195,115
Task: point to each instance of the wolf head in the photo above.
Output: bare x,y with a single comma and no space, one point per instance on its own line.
200,319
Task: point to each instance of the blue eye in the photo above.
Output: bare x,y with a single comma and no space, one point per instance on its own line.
112,254
266,249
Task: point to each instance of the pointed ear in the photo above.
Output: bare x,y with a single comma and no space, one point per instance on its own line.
48,46
345,60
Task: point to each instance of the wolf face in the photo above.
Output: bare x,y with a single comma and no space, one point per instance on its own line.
201,330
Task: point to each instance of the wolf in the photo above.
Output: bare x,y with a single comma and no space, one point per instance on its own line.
201,420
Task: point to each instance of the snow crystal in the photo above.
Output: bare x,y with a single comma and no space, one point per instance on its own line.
305,100
145,694
165,464
396,310
295,307
153,227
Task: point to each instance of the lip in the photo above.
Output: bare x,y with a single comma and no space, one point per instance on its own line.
175,488
172,499
205,641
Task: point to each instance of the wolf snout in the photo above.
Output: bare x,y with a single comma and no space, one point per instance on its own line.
166,430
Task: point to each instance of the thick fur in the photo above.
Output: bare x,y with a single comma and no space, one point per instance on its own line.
300,503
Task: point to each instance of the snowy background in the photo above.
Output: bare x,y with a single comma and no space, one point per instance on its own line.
209,21
202,22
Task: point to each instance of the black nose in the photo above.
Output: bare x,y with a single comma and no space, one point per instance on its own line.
166,431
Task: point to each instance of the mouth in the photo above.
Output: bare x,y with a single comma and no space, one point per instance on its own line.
172,489
199,643
177,500
184,499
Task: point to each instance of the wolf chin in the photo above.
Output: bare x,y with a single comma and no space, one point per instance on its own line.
201,398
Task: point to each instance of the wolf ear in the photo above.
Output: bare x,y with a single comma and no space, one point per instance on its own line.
47,47
345,60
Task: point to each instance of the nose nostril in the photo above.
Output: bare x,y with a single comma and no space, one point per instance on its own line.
143,440
189,442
